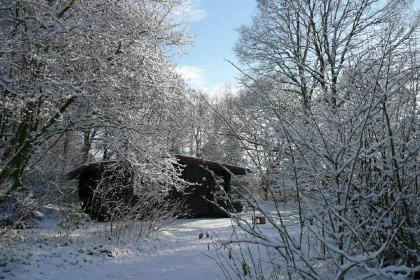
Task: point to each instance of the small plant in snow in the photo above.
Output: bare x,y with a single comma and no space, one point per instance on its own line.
72,218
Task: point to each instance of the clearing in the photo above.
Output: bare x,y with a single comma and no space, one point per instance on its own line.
175,253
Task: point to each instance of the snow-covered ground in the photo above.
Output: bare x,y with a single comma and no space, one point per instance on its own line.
175,253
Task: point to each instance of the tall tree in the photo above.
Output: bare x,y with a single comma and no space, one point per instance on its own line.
101,63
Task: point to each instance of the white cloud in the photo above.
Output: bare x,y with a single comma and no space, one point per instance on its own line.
190,10
193,75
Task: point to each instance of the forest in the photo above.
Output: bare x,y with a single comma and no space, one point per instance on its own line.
325,116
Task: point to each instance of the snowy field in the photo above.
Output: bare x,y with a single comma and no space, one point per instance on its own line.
175,253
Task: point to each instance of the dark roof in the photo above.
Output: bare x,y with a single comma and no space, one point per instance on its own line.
236,170
88,167
93,166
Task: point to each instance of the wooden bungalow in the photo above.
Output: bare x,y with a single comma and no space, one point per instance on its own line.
211,185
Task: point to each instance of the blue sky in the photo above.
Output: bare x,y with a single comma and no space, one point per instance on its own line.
214,24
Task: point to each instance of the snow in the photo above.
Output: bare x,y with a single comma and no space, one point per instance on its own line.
175,253
184,250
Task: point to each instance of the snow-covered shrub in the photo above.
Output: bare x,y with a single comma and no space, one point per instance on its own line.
20,211
136,203
339,121
71,218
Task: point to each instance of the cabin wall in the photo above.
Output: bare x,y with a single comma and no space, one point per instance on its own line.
195,196
116,187
195,203
87,185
